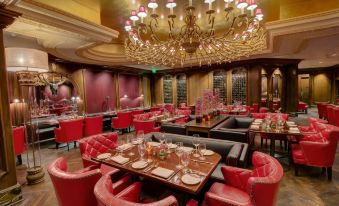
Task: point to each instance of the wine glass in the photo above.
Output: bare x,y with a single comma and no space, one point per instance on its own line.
162,138
178,152
169,144
140,136
185,159
142,150
196,142
121,145
130,138
202,150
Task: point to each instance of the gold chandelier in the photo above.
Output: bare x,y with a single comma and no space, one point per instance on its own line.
242,35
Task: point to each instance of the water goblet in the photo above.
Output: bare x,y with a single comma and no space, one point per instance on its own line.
142,150
130,139
196,142
178,152
185,159
202,150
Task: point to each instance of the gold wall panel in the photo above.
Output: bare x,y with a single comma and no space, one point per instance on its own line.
295,8
321,88
158,90
196,83
86,9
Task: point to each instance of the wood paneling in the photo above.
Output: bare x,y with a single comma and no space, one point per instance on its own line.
158,90
254,82
321,88
197,83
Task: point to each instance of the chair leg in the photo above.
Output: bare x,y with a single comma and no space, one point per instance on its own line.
281,146
75,144
67,146
323,170
265,142
329,173
285,145
296,170
261,142
19,159
57,145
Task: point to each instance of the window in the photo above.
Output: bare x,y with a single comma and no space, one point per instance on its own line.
181,89
239,85
219,82
168,94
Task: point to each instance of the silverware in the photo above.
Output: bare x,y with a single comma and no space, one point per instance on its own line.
201,161
129,161
154,165
172,175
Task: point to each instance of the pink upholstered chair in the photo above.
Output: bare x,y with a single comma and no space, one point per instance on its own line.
123,121
69,131
93,125
169,108
248,187
336,116
73,188
330,114
263,110
130,196
254,108
19,142
146,126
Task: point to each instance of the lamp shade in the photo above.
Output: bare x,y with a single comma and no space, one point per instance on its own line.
24,59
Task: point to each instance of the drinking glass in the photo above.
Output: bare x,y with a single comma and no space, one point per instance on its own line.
142,150
202,149
140,136
130,139
121,145
185,159
169,143
196,142
162,138
178,152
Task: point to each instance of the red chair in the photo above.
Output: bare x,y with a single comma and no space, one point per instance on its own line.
302,107
184,106
73,188
154,109
254,108
312,125
130,196
69,131
258,115
274,117
245,187
263,110
19,142
169,108
330,114
319,152
324,109
336,116
123,121
94,145
146,126
186,117
321,109
93,125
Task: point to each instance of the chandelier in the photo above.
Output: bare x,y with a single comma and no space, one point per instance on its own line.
242,35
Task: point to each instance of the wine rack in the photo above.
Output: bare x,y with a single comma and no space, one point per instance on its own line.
168,93
239,85
181,89
219,82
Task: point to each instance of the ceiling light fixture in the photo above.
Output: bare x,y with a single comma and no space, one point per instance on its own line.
242,36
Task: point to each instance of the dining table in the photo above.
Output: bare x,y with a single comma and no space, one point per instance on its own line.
201,169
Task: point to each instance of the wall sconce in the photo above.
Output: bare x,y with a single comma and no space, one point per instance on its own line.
77,98
125,96
16,101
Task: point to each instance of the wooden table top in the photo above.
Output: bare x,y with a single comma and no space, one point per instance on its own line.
204,169
284,131
207,124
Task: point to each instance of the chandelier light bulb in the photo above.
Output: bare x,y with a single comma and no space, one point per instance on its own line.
171,4
142,13
242,4
209,2
259,15
128,26
134,17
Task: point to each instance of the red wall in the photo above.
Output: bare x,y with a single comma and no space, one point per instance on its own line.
98,85
129,85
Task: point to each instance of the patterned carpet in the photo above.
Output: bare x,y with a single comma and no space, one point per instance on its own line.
310,188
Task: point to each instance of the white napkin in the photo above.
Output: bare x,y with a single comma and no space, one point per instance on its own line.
120,159
125,147
258,120
255,127
103,156
290,123
256,123
208,152
294,129
187,149
162,172
139,164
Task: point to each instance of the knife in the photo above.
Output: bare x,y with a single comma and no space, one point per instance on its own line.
176,172
201,161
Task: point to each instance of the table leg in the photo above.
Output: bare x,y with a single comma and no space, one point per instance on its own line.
272,146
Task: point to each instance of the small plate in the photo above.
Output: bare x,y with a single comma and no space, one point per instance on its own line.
173,146
256,123
190,179
104,156
154,144
140,164
208,152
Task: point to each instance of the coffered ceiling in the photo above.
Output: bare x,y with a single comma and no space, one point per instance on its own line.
94,34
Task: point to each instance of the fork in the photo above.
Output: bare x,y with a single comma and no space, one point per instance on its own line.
155,164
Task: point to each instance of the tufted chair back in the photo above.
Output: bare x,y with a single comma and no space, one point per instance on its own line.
93,125
74,188
94,145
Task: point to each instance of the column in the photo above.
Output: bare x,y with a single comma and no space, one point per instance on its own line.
290,88
10,190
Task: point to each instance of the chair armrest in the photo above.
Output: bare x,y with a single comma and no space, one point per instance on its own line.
213,199
131,193
86,169
121,184
115,122
317,152
156,129
57,133
236,177
87,161
229,134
